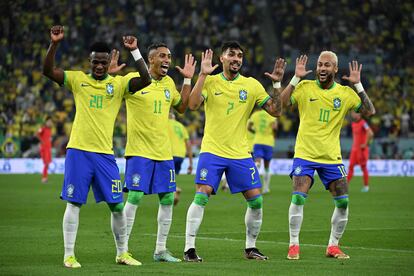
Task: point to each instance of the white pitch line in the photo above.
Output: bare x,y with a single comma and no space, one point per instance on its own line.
315,230
304,244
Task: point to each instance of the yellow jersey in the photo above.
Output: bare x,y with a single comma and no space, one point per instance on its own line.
263,126
147,119
321,113
250,138
179,136
97,104
228,105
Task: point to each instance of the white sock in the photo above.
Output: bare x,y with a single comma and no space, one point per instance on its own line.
339,221
130,211
253,221
119,229
266,180
295,222
258,165
194,217
70,228
164,223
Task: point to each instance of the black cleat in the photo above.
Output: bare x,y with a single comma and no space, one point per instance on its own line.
191,256
255,254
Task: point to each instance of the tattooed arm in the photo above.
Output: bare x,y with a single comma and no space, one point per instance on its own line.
274,105
367,108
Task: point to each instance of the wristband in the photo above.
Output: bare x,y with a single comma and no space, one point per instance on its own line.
359,87
294,81
187,81
136,54
277,85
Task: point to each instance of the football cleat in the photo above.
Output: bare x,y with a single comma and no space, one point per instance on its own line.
254,254
71,262
293,253
335,252
126,259
165,256
191,256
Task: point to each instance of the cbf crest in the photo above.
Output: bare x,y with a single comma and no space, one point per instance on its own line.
167,94
298,170
136,178
337,103
109,90
242,96
69,190
203,174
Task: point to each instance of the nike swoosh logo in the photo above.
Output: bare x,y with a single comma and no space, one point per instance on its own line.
115,196
218,93
84,84
312,100
144,92
253,183
170,187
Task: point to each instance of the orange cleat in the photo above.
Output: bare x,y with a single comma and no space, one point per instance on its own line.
293,253
334,251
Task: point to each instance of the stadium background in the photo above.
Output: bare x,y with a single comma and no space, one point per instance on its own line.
377,33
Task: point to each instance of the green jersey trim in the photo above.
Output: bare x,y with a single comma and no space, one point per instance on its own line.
179,102
264,101
292,100
224,77
331,87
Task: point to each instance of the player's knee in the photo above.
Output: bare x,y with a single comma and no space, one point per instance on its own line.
341,201
299,198
256,202
116,207
134,197
166,198
201,199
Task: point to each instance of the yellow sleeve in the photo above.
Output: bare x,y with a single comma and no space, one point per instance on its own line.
261,95
355,100
204,92
126,79
69,80
296,95
176,95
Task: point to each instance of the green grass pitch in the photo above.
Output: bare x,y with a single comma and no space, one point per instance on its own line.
379,236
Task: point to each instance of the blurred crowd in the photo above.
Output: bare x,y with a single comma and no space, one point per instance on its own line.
378,32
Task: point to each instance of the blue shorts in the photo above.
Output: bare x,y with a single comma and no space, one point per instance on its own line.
83,168
149,176
327,172
263,151
241,174
178,161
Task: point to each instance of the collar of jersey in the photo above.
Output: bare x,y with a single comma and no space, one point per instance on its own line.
91,76
224,77
319,84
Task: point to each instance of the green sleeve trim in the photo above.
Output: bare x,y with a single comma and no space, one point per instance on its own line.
264,101
292,100
358,107
177,104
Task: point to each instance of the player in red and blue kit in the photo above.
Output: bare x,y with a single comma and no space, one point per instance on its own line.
362,135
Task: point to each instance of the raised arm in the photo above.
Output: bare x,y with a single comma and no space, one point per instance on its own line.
300,72
49,70
274,105
188,73
144,79
367,108
196,98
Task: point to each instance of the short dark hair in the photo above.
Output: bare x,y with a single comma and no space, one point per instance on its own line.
157,45
100,47
231,45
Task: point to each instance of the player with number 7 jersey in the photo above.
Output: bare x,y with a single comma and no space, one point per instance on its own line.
229,99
